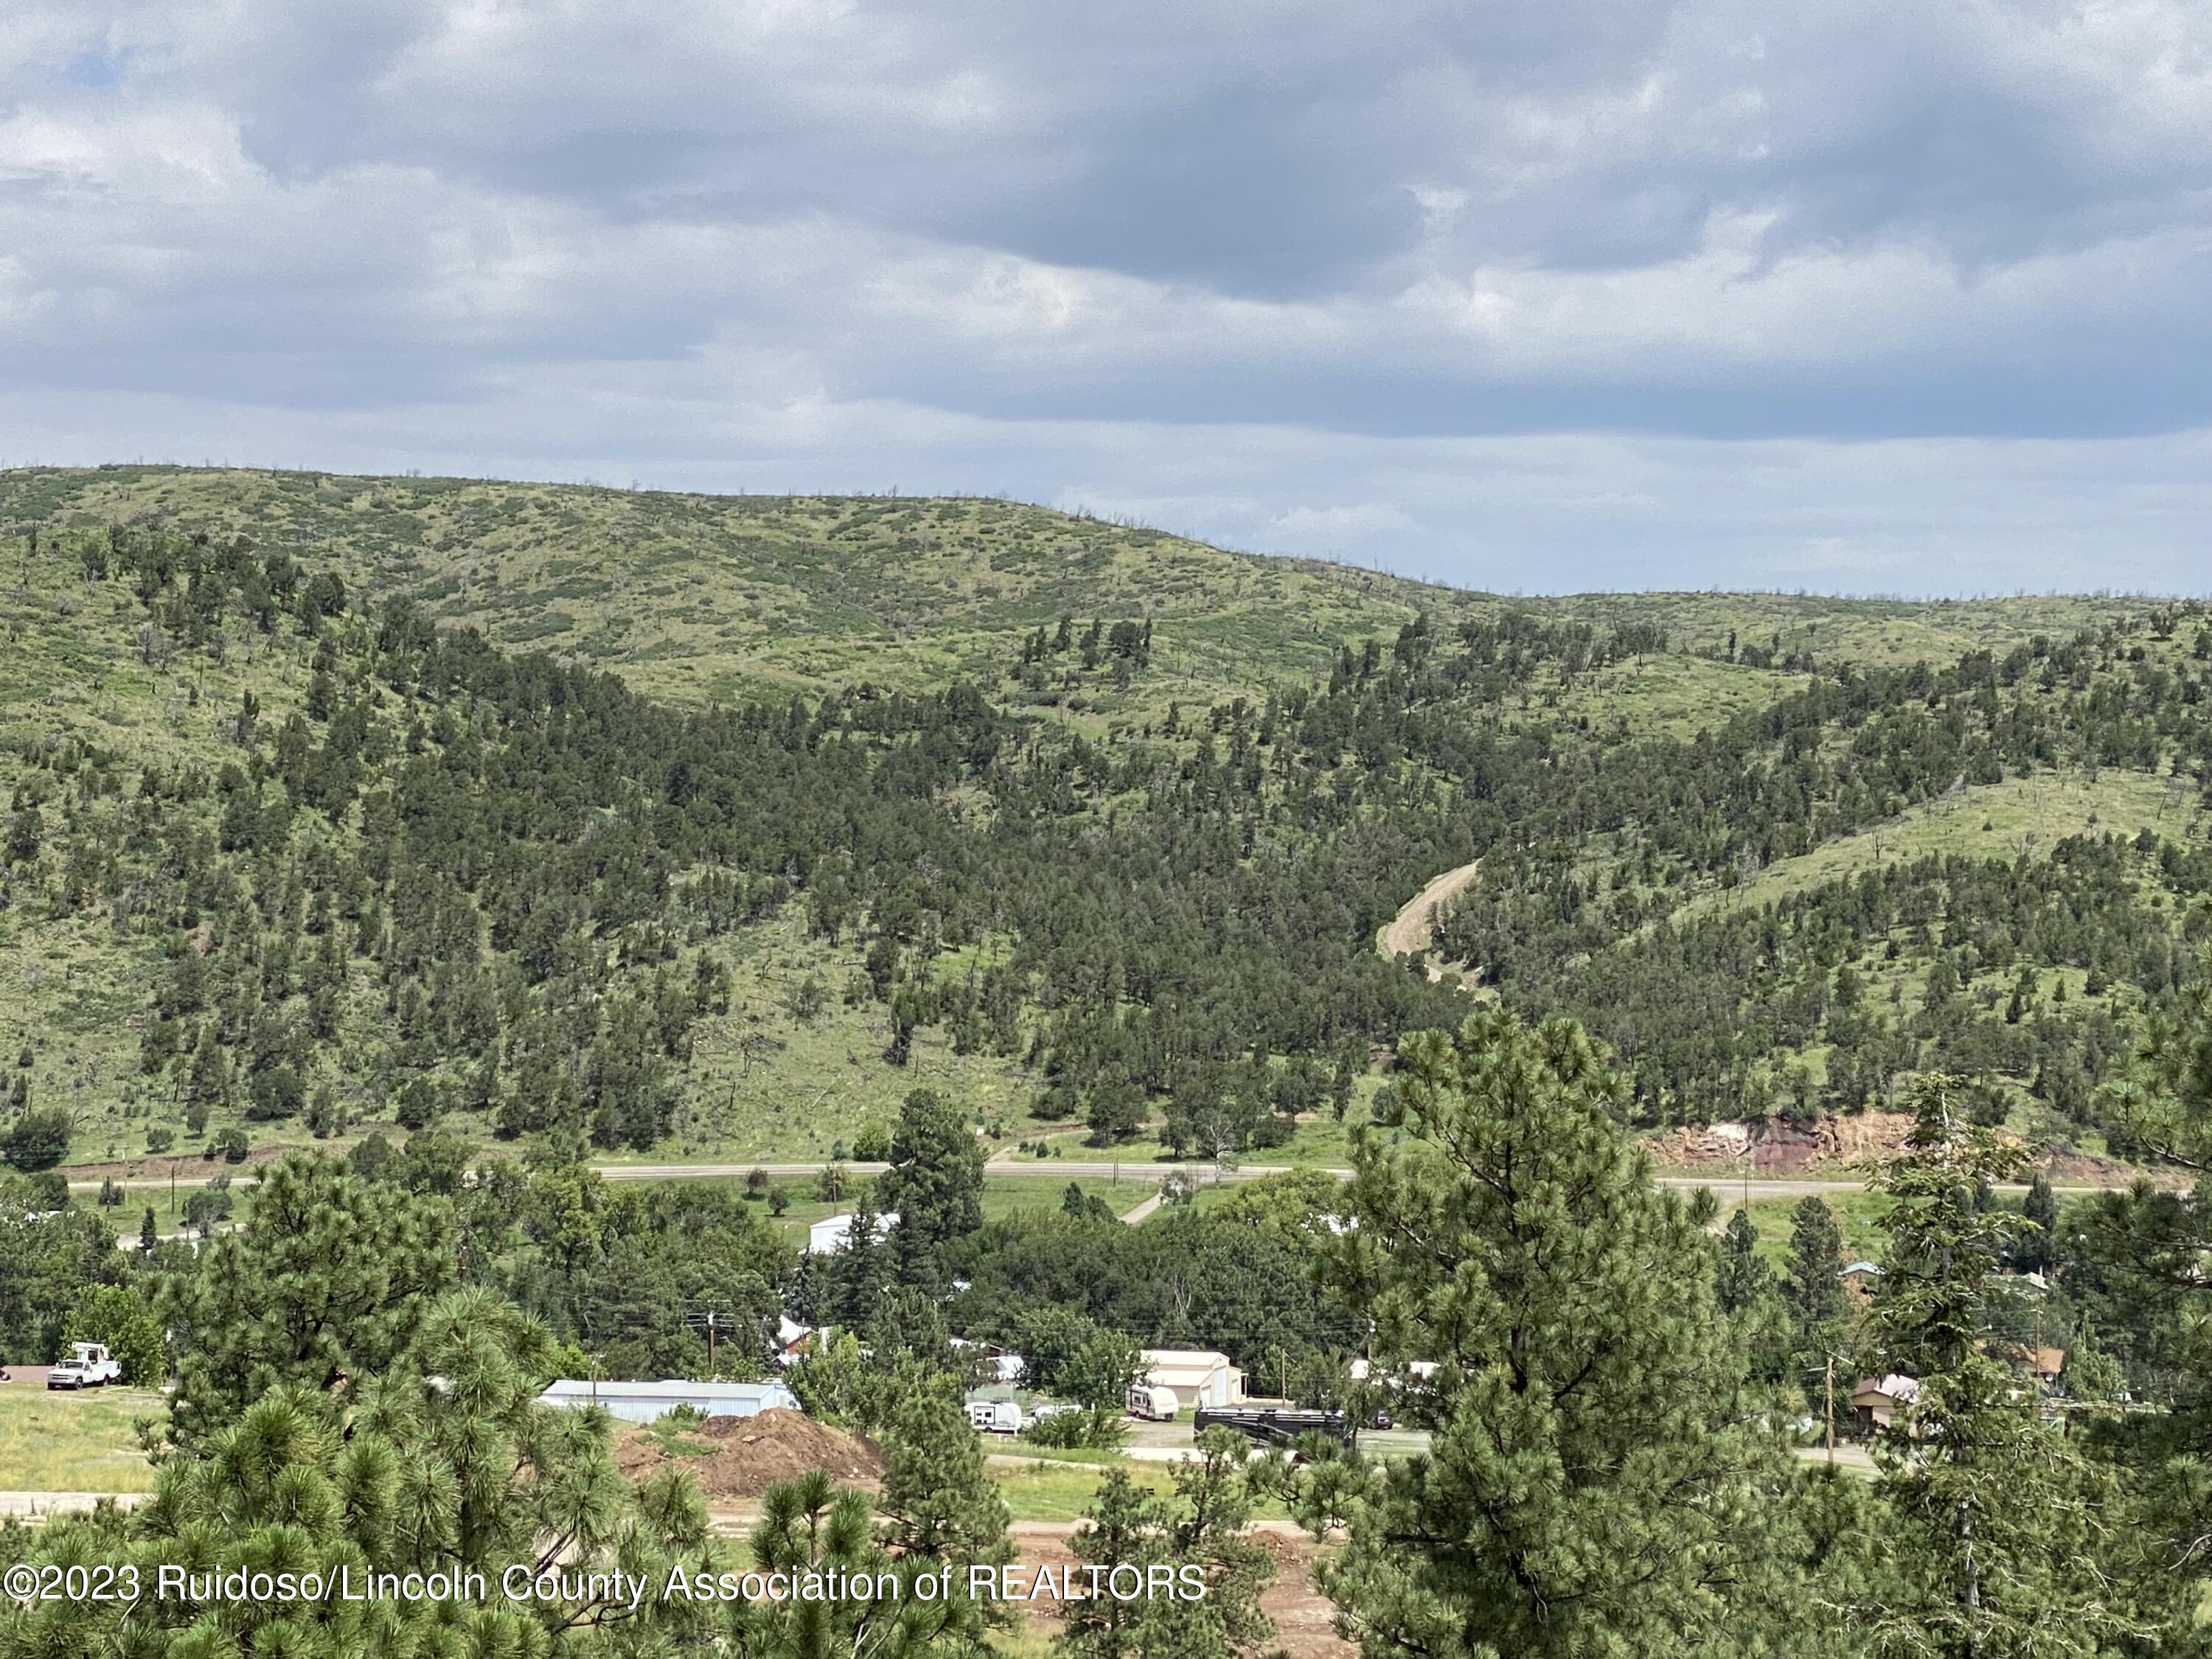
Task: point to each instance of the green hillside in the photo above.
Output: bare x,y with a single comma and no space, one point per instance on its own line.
704,595
708,826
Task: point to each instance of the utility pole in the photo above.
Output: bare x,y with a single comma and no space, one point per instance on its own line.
710,1345
1831,1408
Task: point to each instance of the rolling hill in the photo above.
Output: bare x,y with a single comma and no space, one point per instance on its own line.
713,825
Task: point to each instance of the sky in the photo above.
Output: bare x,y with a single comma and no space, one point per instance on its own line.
1866,296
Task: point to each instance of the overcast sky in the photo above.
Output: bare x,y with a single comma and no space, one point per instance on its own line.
1852,295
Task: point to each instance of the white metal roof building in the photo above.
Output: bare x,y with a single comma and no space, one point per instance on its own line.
641,1403
828,1235
1199,1376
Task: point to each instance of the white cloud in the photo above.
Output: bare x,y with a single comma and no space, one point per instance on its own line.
1537,512
1527,285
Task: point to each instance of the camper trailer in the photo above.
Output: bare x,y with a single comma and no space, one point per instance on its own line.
995,1416
1153,1403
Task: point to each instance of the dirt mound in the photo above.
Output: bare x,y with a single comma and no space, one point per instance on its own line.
744,1456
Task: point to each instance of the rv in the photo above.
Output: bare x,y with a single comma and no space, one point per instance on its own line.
1277,1426
1153,1403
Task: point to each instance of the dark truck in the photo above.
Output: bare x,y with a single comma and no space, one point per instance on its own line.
1275,1426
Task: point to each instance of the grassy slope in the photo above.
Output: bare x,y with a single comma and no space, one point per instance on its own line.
79,1442
2019,818
694,597
726,596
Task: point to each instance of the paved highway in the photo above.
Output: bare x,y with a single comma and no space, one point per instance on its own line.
1725,1185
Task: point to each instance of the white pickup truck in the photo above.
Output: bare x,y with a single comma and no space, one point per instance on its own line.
88,1366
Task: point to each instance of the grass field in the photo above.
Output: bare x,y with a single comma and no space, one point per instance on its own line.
79,1442
1859,1215
1320,1138
1049,1489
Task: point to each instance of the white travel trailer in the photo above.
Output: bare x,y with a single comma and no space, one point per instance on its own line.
995,1416
1153,1403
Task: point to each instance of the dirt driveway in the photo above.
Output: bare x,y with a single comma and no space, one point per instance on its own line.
1410,929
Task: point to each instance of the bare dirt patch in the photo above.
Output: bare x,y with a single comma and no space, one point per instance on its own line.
744,1456
1301,1613
1841,1146
1778,1146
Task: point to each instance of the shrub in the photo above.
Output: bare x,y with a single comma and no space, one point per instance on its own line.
1097,1428
113,1316
38,1139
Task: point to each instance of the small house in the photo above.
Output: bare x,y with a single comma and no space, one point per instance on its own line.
793,1341
1880,1401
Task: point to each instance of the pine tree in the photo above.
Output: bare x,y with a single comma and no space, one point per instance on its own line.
2036,1249
1741,1279
940,1505
2136,1258
859,1274
810,1526
935,1184
939,1497
1814,1285
1126,1527
1746,1290
1215,1502
323,1283
2010,1542
2161,1102
1598,1480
